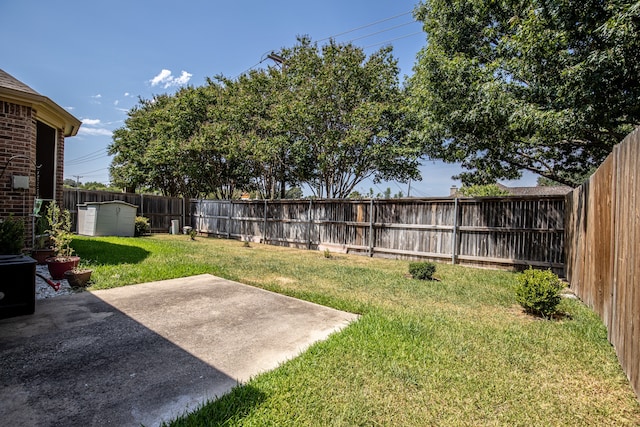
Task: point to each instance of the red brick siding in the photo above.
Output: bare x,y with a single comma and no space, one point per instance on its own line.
18,127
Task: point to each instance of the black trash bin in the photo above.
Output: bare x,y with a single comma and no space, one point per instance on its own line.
17,285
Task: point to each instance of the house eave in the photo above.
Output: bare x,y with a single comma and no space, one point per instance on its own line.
47,111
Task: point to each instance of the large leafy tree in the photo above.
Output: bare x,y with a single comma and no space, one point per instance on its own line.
256,111
344,116
329,118
542,85
130,169
155,147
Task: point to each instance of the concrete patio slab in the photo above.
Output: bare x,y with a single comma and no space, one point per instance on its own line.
147,353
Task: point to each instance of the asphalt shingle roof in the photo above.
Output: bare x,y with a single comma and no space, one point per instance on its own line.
9,82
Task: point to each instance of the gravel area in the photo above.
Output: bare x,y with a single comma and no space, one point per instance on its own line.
43,290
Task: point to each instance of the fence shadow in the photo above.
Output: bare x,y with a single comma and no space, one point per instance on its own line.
100,252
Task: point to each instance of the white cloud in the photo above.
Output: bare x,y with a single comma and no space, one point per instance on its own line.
167,79
116,102
84,130
91,122
126,94
163,77
183,79
95,99
94,127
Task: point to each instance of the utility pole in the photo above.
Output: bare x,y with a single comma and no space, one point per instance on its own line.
77,177
409,189
283,182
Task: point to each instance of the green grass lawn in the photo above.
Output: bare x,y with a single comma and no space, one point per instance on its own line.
456,351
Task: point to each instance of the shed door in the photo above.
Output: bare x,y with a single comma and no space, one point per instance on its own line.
89,223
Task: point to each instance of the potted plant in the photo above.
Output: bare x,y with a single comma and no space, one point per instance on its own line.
59,221
42,244
78,277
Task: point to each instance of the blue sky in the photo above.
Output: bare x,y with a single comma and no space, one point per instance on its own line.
96,58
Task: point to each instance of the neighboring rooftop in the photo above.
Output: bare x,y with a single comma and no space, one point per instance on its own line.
540,190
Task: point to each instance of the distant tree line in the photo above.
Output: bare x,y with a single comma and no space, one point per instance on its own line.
90,185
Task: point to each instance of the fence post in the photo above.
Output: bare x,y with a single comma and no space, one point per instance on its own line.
309,224
184,212
264,234
454,237
371,218
141,204
229,219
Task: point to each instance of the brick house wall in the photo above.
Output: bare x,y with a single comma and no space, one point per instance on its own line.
33,128
17,137
18,131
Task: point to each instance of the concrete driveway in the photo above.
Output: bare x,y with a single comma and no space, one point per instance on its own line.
147,353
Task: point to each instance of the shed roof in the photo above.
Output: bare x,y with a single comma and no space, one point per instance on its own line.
13,90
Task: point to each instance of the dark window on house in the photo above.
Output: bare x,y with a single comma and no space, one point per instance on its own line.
46,156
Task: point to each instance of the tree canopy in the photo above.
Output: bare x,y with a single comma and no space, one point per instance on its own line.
329,118
548,86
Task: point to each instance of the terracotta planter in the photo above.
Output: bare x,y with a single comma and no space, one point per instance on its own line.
57,266
41,255
78,278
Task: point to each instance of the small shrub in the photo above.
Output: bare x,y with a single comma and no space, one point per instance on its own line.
422,270
11,236
327,253
142,226
192,234
538,291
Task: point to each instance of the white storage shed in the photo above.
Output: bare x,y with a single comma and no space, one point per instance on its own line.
114,218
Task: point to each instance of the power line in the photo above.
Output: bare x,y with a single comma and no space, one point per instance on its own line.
364,26
92,159
89,154
88,157
350,31
420,192
382,31
392,40
85,174
249,69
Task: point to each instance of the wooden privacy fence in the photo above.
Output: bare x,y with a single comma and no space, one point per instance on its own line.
603,249
508,231
160,210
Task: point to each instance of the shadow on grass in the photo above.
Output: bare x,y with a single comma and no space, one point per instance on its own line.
105,253
231,407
